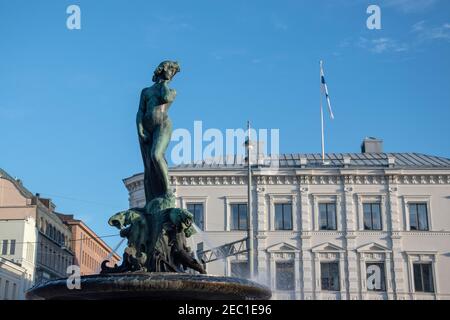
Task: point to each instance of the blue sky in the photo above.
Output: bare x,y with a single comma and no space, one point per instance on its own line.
68,99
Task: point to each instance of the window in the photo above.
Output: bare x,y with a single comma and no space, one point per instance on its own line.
372,216
418,216
239,216
283,216
423,277
5,247
327,216
5,296
285,276
12,248
329,275
375,277
240,270
45,255
14,292
197,210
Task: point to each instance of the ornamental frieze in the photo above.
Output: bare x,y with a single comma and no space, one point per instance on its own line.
305,180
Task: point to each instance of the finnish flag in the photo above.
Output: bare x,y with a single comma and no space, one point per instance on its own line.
325,89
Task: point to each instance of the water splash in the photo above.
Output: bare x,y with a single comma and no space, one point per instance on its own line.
192,243
203,236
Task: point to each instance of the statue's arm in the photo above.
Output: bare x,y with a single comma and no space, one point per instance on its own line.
167,95
140,117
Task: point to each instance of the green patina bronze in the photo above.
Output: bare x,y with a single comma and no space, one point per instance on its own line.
157,232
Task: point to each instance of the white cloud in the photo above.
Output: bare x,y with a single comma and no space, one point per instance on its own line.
425,32
421,31
410,6
419,26
382,45
279,24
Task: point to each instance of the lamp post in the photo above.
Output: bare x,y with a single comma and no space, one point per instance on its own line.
249,204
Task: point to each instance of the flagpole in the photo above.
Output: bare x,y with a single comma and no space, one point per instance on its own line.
321,116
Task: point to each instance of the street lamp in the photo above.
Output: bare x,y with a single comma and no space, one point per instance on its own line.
248,146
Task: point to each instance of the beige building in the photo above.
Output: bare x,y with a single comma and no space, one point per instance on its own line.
31,235
90,250
18,235
369,225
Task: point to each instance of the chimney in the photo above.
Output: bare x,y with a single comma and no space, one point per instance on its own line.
391,161
347,161
303,162
372,145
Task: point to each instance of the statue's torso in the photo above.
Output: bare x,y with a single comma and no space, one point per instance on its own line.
156,109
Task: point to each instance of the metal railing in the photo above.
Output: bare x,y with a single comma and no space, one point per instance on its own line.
223,251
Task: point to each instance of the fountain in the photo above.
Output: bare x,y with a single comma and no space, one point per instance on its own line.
157,258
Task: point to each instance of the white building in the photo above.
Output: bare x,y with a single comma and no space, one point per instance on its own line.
368,225
13,280
18,246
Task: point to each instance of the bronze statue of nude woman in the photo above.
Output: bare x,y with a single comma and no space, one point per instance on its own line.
157,232
155,129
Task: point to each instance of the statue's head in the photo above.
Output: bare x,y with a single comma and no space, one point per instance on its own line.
183,220
166,71
124,218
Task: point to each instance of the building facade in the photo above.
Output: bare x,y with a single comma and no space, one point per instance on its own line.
90,250
18,236
13,280
367,225
32,237
54,247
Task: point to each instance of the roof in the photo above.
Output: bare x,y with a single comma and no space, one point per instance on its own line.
17,182
333,160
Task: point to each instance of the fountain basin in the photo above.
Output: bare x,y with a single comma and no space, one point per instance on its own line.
152,286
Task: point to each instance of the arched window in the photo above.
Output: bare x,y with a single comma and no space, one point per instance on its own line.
42,226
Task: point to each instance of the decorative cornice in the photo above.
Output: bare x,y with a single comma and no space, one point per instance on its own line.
312,179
